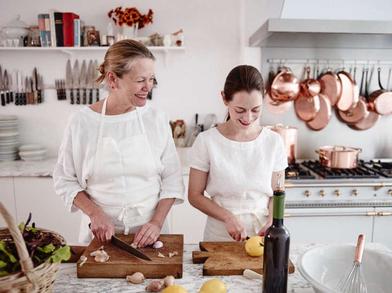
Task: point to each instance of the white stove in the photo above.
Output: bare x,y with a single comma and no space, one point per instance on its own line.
334,205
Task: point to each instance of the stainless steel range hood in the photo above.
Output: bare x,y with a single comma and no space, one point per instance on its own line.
319,33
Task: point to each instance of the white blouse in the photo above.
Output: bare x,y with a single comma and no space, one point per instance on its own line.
77,152
239,170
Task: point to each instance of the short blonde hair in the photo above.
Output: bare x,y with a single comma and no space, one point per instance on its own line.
119,58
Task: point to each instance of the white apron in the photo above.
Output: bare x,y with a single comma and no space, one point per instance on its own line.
125,181
253,214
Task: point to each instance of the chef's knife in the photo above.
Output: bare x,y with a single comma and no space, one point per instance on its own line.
82,82
6,85
34,86
68,81
96,86
76,74
128,248
90,74
40,87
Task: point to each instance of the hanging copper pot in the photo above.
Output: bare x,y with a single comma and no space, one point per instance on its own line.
276,107
350,93
371,119
360,111
289,135
285,86
307,104
340,157
323,116
331,86
381,100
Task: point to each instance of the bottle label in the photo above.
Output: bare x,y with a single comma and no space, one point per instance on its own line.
278,207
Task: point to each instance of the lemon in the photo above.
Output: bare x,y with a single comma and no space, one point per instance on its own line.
174,289
213,286
254,246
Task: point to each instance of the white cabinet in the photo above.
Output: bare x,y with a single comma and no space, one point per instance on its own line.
329,225
187,220
7,197
37,195
382,232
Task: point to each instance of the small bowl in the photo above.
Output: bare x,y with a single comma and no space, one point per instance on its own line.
324,266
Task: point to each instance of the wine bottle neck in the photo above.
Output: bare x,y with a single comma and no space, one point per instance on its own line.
278,205
277,222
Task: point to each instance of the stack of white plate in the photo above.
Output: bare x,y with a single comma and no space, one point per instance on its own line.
32,152
8,137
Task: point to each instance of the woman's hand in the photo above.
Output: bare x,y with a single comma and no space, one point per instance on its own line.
235,228
147,234
101,226
265,227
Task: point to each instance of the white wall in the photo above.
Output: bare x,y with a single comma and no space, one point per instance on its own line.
189,84
191,81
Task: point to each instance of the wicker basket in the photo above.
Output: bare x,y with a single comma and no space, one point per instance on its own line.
30,279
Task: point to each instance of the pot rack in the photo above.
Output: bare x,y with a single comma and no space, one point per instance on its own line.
327,62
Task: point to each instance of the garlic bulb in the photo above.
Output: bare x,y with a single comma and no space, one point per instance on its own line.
157,244
168,280
136,278
155,286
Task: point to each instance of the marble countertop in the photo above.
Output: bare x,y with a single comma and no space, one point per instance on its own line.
192,278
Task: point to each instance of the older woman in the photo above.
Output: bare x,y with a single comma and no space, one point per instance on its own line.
117,162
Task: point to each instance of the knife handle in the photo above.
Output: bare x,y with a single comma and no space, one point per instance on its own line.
78,96
7,97
39,96
3,98
84,99
72,99
97,95
90,98
24,98
11,97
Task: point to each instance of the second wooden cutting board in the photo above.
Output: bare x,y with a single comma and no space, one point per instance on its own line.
121,263
228,258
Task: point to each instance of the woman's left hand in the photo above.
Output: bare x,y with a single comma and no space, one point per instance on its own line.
265,227
147,234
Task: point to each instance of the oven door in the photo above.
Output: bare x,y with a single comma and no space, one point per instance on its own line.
329,225
382,226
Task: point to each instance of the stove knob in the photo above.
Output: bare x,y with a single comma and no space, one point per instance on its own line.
337,192
307,193
390,192
322,192
354,192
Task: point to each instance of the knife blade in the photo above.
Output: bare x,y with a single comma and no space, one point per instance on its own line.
68,80
76,74
128,248
90,74
82,82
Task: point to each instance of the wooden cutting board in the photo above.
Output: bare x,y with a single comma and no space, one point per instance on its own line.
228,258
121,263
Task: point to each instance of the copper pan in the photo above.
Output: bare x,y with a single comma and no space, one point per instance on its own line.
340,157
381,100
360,111
331,86
323,116
272,106
350,93
307,104
371,119
285,86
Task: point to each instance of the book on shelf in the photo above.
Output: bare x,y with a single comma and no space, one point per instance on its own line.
64,27
44,29
69,28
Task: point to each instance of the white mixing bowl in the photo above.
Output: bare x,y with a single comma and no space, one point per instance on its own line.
324,266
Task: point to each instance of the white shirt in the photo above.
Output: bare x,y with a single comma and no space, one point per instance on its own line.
76,156
239,169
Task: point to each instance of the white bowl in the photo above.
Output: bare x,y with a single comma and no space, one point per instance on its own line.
324,266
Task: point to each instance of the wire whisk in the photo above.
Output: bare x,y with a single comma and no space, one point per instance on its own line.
353,281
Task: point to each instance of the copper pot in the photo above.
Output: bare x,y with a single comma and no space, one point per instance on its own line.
285,86
289,135
340,157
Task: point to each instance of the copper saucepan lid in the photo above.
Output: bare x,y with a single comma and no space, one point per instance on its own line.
323,116
331,86
307,104
360,111
350,93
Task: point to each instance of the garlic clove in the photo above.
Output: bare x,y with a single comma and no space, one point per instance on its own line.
136,278
168,281
83,259
174,253
155,286
160,255
157,244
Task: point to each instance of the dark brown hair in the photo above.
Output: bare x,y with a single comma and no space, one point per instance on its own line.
242,78
120,56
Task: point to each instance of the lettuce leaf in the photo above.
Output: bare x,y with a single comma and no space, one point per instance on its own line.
63,253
